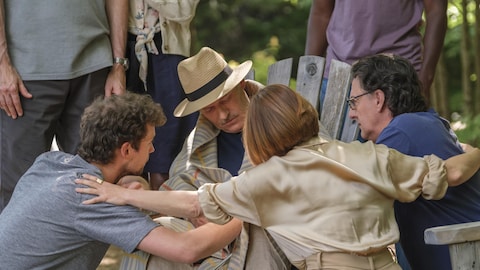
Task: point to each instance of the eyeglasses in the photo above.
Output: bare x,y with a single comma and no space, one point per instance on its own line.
352,102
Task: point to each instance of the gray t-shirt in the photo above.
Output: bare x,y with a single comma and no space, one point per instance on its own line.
57,39
46,226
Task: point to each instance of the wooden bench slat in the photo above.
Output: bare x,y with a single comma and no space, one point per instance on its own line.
350,130
338,89
309,78
463,242
250,74
453,234
280,72
465,256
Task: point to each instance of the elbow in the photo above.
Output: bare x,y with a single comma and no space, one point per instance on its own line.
456,174
455,178
189,257
191,253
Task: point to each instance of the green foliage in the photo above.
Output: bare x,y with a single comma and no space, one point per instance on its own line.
241,28
269,30
470,132
263,59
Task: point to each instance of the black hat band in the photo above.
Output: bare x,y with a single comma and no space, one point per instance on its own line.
212,84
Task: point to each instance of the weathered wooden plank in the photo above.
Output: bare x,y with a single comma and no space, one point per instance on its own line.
309,78
280,72
453,234
465,256
250,75
334,106
463,240
350,129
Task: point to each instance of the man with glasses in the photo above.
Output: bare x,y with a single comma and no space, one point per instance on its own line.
386,100
353,101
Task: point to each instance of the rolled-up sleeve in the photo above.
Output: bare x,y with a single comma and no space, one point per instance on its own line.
211,209
219,202
435,182
416,176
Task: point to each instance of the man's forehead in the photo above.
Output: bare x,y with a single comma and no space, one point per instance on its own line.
220,99
355,86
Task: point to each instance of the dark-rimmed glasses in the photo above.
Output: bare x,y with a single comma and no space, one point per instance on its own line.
352,102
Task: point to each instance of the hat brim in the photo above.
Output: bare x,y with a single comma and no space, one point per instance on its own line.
239,72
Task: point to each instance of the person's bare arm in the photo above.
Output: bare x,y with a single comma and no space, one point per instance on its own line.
435,29
171,203
462,167
117,12
11,85
320,13
190,246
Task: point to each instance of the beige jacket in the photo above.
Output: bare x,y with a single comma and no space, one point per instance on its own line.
327,196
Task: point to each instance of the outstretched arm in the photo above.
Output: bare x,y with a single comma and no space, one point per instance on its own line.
462,167
171,203
190,246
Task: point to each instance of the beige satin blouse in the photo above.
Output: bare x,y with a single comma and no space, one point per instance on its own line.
326,196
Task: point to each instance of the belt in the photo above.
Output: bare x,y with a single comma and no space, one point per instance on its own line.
371,252
378,257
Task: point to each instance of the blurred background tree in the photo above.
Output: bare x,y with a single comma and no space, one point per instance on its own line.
269,30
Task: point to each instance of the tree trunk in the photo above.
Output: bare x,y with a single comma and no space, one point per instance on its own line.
477,58
440,89
466,63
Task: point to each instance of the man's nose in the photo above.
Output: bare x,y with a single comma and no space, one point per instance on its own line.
352,114
223,113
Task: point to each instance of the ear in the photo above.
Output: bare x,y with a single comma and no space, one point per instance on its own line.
379,100
126,150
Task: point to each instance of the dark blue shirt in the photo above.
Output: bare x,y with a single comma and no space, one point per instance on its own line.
419,134
230,151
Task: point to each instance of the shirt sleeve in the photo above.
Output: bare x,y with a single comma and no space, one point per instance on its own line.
396,175
414,176
123,226
220,202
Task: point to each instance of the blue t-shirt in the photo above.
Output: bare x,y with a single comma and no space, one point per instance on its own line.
46,226
419,134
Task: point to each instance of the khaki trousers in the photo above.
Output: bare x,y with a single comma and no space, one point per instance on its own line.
382,260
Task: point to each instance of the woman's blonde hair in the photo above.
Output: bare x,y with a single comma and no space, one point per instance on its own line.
278,119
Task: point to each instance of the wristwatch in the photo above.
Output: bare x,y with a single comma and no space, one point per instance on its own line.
122,61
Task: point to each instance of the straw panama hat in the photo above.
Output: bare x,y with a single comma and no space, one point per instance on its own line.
205,78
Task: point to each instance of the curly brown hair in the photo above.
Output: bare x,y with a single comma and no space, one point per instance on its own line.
109,122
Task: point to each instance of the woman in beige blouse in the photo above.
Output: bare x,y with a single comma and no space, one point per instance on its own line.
328,204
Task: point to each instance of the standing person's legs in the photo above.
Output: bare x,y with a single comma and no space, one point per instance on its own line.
165,88
82,91
26,137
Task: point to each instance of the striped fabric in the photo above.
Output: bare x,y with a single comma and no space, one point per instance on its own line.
196,165
138,260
